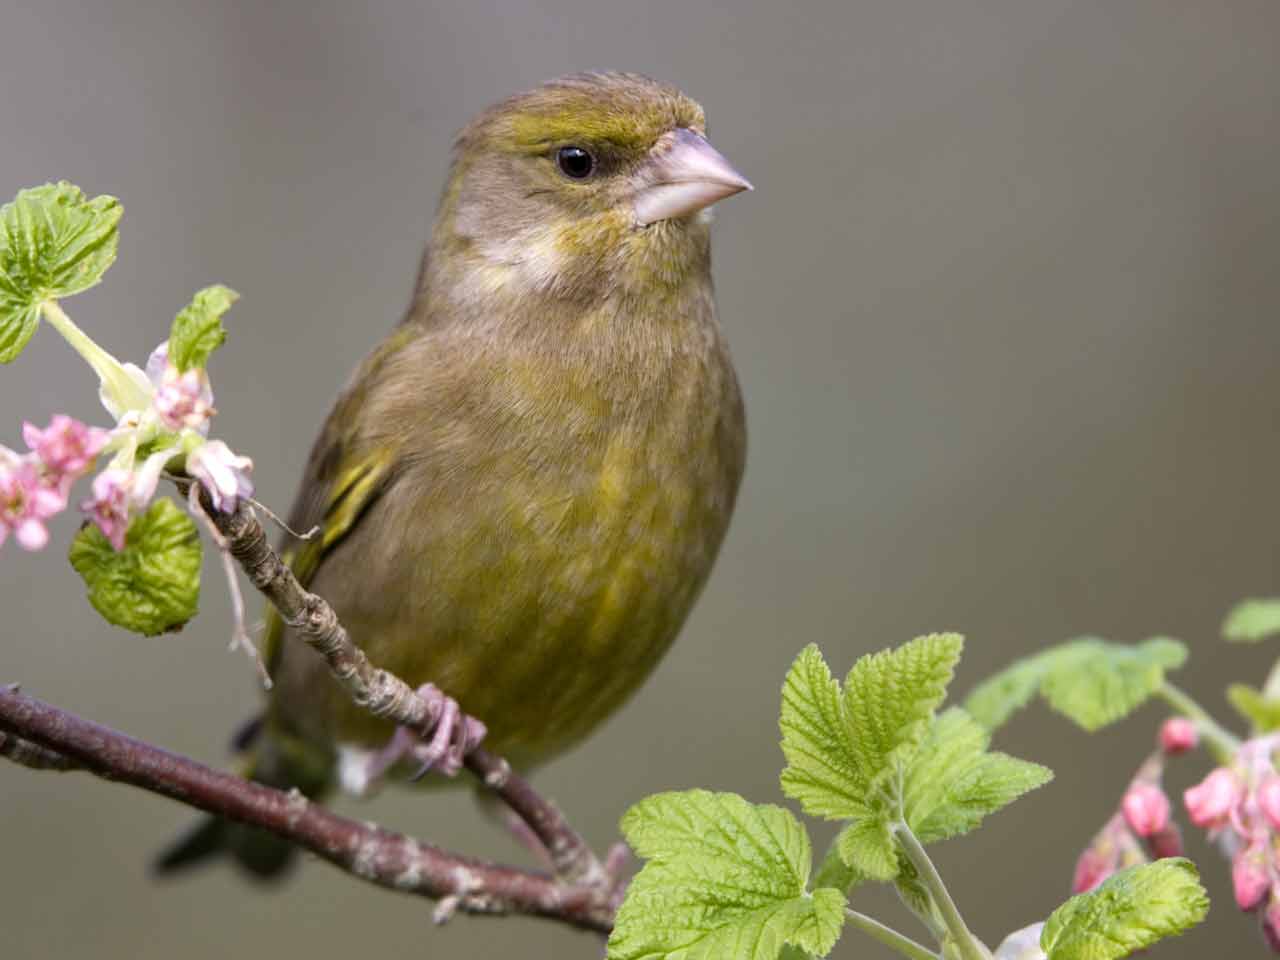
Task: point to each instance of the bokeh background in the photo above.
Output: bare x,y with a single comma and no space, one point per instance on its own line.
1005,309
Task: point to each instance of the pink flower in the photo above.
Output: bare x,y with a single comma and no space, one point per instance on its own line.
26,500
109,505
1211,801
181,400
118,493
1145,808
184,399
1178,735
223,474
1249,877
1268,795
67,446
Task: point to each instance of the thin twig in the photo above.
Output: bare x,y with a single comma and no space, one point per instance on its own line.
381,857
888,936
969,946
240,639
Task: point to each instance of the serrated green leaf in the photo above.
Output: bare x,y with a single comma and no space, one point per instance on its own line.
1252,620
952,782
17,326
821,773
915,896
1090,680
997,698
152,586
1098,683
197,329
1263,714
725,878
1130,911
868,846
53,243
834,872
889,698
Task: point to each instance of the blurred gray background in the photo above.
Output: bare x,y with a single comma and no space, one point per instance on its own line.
1005,309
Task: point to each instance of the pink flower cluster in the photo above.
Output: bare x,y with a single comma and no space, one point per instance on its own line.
35,486
1239,804
1140,830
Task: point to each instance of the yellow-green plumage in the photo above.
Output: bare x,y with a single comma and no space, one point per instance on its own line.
523,488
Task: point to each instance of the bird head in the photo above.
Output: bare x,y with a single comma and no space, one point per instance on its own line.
593,182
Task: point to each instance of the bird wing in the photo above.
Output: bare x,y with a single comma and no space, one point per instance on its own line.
343,479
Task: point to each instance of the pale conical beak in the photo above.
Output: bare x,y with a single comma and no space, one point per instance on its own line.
683,174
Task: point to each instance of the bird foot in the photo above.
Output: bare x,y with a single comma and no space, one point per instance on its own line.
454,735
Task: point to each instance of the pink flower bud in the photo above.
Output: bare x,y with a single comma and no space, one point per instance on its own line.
1113,848
66,446
1166,842
223,474
1178,735
1211,801
1249,876
1271,921
1269,799
1145,808
27,499
1092,867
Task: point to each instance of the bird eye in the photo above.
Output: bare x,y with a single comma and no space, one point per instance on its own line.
575,162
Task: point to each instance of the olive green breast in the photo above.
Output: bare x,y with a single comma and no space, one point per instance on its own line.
549,519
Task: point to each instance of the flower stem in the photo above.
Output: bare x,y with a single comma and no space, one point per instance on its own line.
970,947
116,382
890,937
1222,741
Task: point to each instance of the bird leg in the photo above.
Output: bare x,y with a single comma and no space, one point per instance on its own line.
454,736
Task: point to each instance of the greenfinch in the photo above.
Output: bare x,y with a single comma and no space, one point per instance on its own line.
522,489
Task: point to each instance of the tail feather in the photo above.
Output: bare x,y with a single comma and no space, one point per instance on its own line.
277,761
263,855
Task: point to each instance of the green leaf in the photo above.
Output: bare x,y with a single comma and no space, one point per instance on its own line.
1099,683
997,698
725,879
889,699
1089,680
953,782
152,586
834,872
916,896
1130,911
17,326
1252,620
197,329
53,243
821,773
868,847
1263,714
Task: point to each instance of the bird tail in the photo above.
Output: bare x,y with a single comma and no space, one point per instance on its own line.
276,760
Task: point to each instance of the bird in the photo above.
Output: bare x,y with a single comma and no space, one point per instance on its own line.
522,489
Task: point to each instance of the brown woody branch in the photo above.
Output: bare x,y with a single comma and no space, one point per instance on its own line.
45,737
